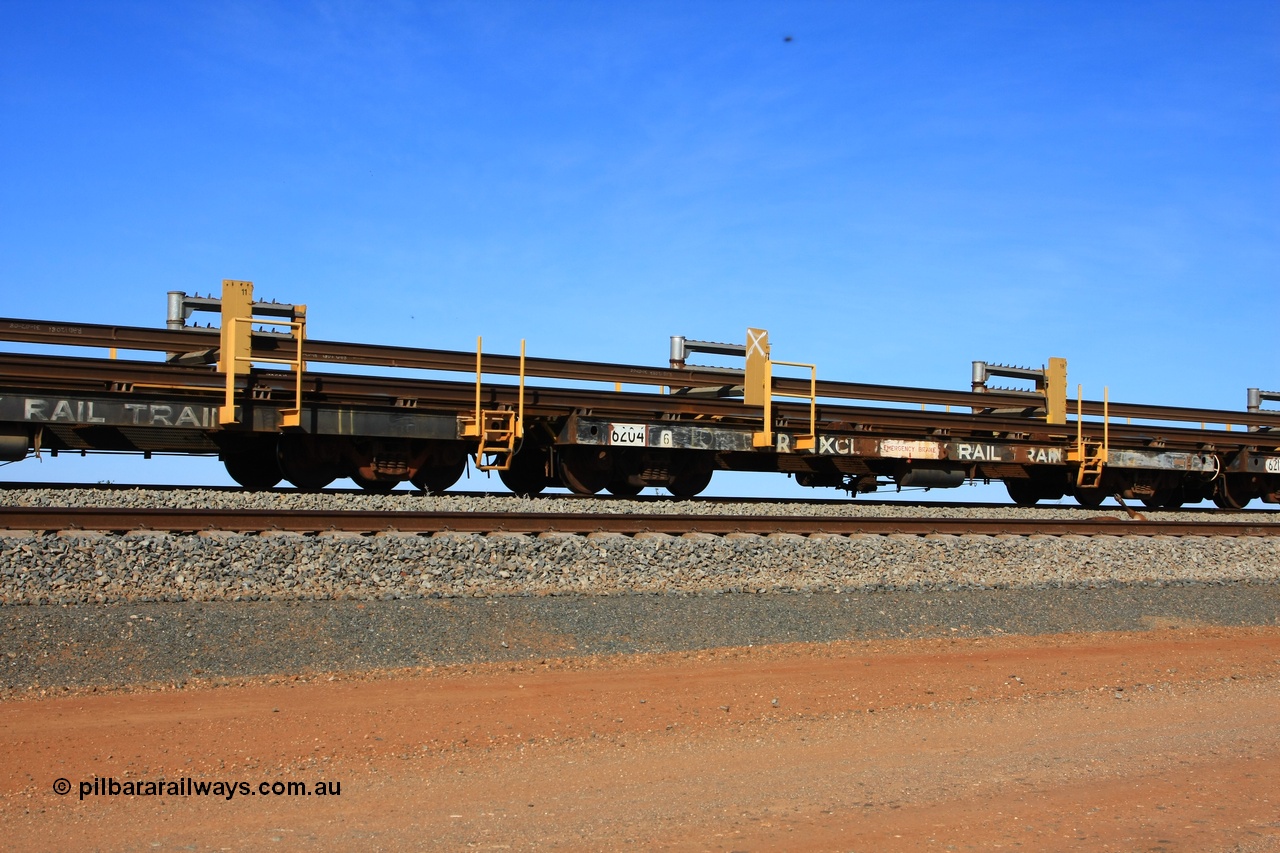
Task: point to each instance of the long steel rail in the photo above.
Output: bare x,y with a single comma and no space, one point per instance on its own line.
569,498
52,372
266,346
366,522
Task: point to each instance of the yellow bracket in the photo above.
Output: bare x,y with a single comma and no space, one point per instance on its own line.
237,349
758,391
1055,391
496,430
1091,456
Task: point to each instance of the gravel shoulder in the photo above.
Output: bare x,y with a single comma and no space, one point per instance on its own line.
1117,741
48,649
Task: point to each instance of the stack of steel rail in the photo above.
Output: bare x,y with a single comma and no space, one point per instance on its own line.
1157,428
311,428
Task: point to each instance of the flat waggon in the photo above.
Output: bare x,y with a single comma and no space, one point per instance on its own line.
249,392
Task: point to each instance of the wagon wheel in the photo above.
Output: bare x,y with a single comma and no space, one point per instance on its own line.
255,468
305,464
1091,498
1231,493
585,471
623,489
1022,492
527,475
690,481
436,478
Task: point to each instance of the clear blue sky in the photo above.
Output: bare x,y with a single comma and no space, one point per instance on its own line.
892,189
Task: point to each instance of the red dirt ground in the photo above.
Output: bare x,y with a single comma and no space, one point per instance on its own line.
1163,741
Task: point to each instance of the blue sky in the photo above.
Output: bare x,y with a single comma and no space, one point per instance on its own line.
897,190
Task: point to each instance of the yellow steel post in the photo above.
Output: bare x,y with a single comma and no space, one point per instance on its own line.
813,408
519,433
765,437
810,441
1078,453
235,339
1055,391
293,417
477,428
756,383
1080,420
1106,424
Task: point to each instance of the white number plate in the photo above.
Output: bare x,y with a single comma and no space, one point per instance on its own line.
627,435
1272,465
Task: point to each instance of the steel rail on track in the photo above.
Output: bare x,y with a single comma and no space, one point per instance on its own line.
320,521
569,498
336,352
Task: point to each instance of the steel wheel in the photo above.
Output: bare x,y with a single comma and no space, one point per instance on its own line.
1091,498
585,471
255,468
1022,492
1230,495
527,475
690,482
306,464
435,479
620,487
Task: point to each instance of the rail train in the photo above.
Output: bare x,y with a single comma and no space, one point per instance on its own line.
248,391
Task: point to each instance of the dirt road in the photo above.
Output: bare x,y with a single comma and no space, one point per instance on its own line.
1160,740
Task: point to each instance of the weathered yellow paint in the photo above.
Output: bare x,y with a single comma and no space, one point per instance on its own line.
756,386
1055,391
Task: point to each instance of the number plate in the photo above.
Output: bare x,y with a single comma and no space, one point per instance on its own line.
627,435
1272,465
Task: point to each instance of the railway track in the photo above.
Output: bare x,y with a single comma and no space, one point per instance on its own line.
559,497
568,499
629,524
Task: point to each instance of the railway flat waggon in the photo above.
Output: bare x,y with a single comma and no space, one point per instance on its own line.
249,392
